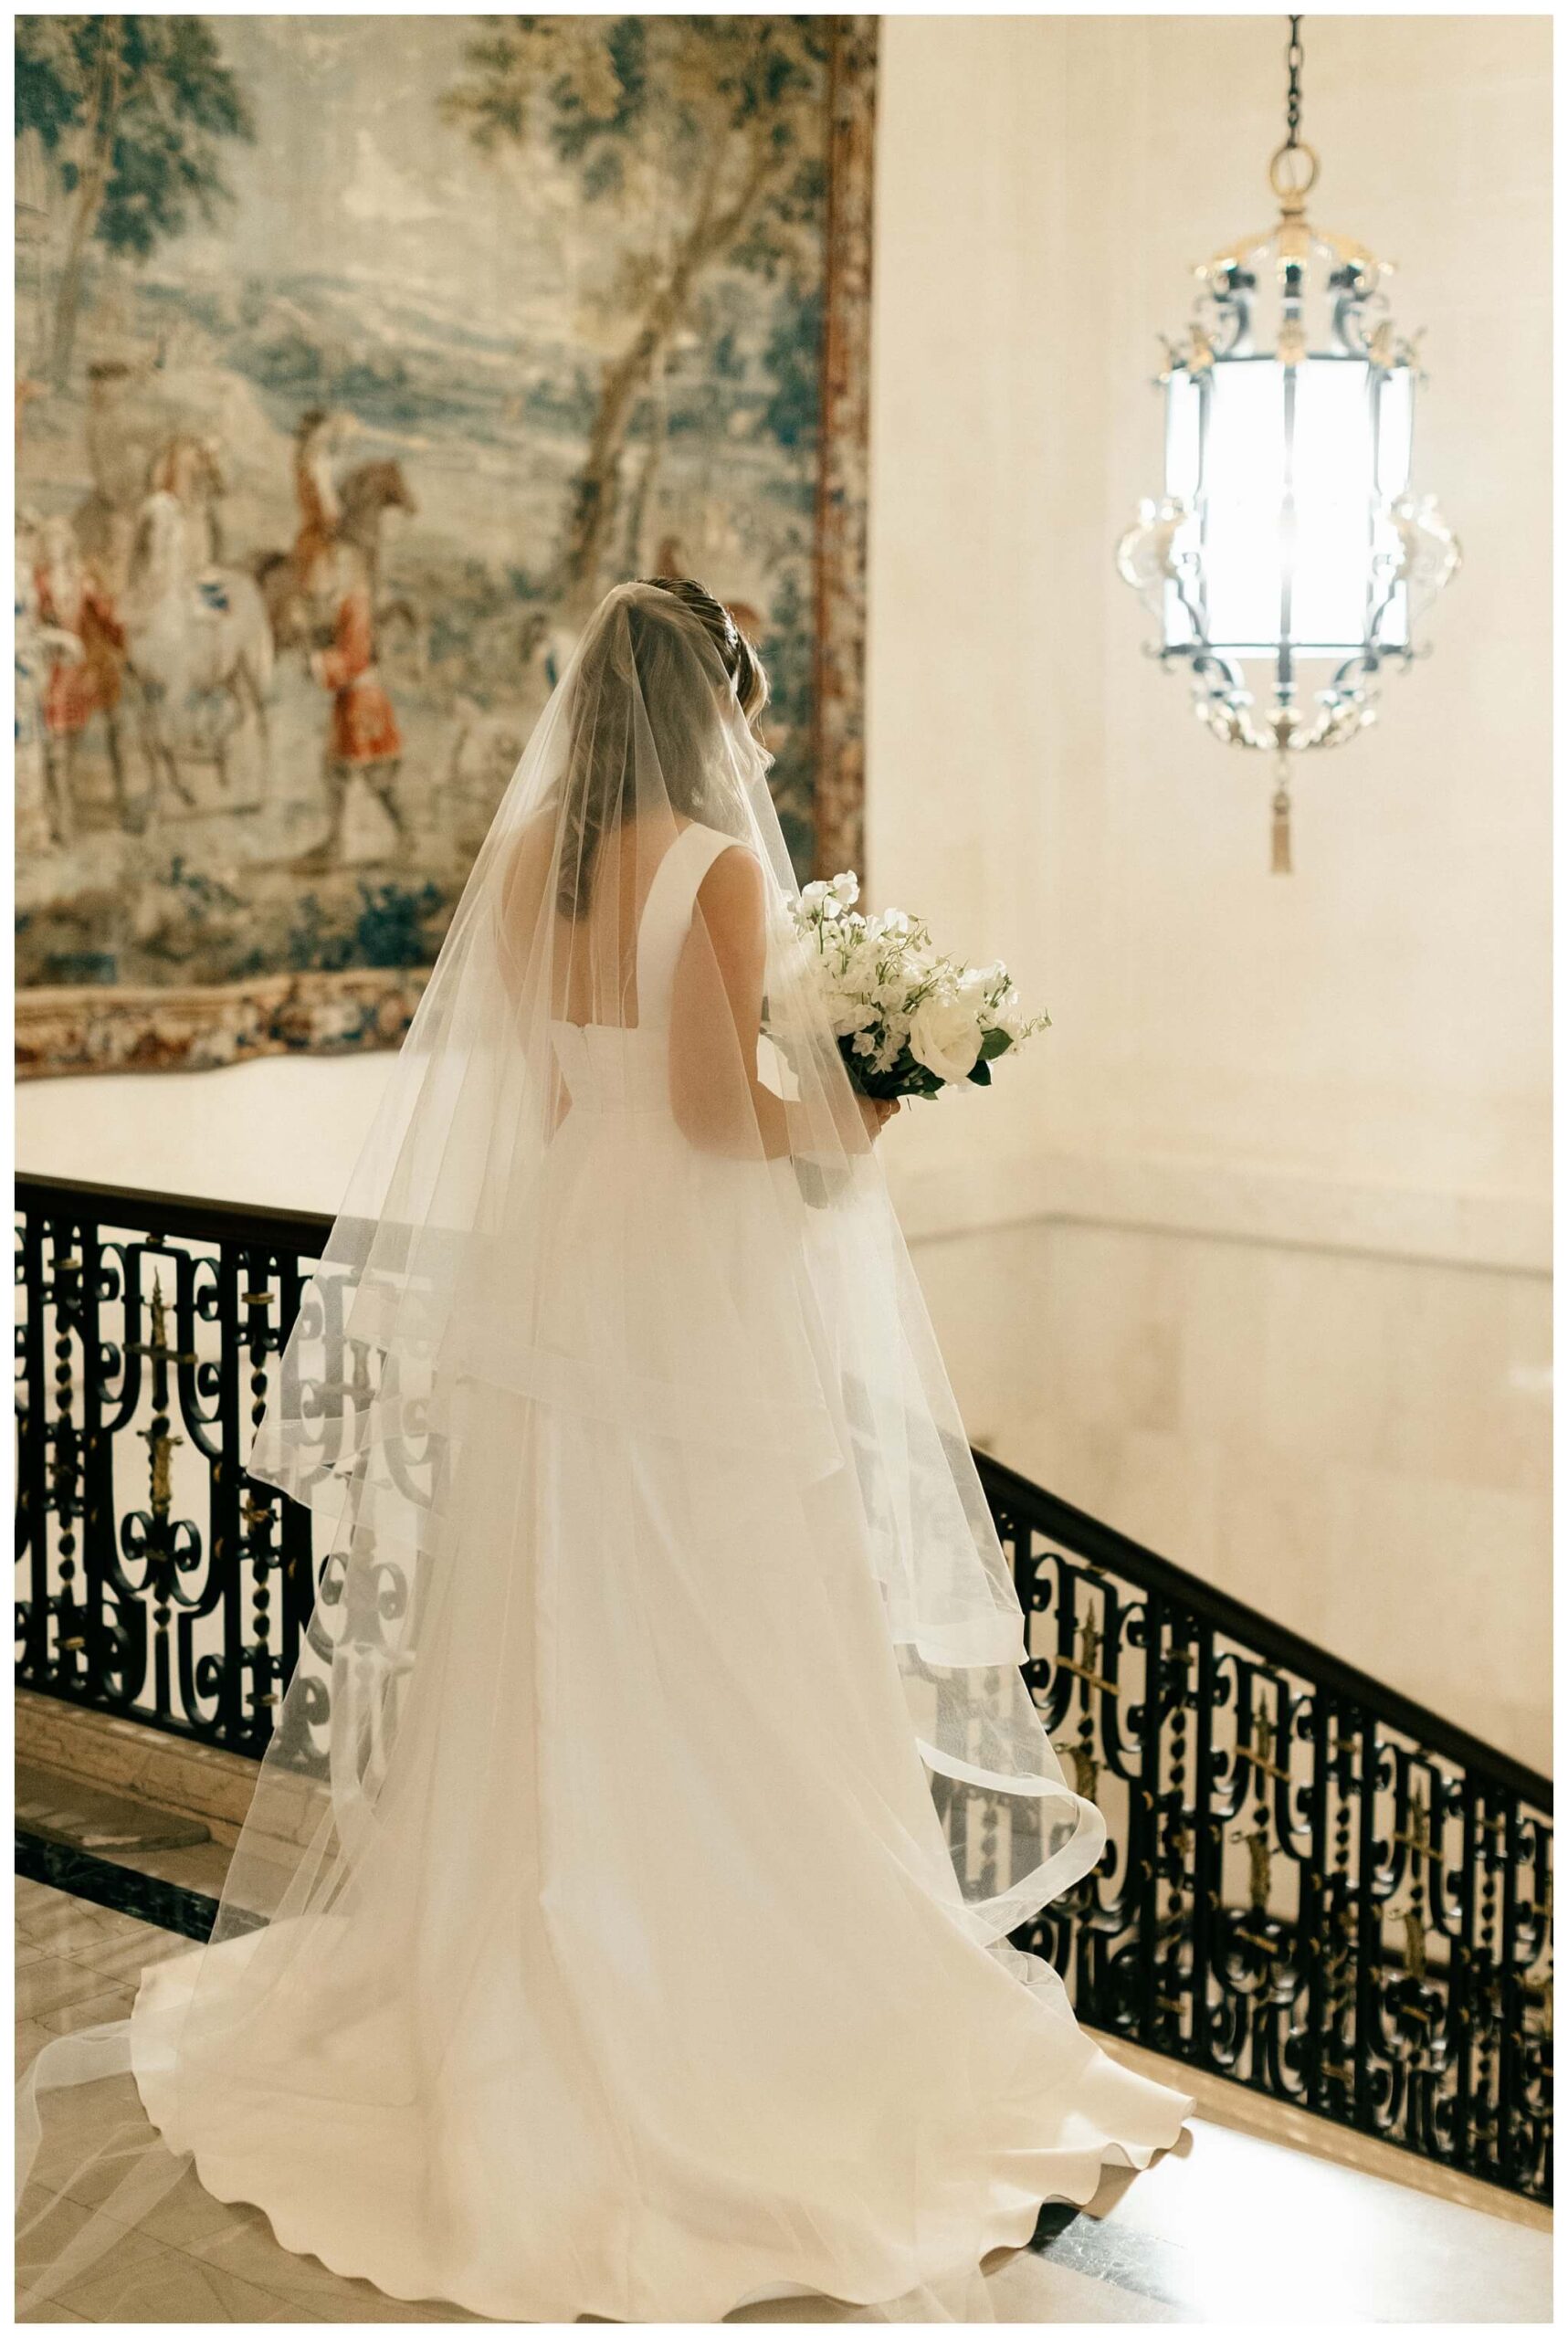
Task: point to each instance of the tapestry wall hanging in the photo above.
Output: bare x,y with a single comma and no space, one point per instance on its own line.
356,356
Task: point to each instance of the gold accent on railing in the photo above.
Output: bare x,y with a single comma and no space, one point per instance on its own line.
1415,1924
1259,1751
1086,1667
160,1453
1418,1839
1085,1769
1259,1867
157,1345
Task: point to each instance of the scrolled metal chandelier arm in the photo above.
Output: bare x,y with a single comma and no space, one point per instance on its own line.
1288,540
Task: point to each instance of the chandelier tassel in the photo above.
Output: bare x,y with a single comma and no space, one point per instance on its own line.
1279,841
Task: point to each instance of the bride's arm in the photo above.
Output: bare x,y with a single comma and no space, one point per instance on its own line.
716,1018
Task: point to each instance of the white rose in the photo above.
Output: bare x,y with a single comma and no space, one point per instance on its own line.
944,1035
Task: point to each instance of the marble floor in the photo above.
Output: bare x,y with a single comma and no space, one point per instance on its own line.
1236,2227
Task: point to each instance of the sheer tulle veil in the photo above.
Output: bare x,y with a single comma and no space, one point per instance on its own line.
526,1338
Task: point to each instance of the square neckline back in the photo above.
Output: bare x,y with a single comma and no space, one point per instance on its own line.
676,910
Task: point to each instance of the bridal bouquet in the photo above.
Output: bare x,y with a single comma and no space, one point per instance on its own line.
909,1020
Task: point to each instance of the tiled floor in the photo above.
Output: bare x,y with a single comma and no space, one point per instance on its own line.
1231,2228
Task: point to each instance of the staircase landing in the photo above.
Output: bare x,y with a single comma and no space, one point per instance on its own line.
1262,2216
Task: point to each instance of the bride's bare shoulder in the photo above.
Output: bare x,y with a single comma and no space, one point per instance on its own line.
732,895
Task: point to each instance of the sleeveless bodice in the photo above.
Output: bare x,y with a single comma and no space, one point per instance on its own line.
611,1068
608,1070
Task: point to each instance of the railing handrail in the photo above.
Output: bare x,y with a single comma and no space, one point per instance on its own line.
144,1211
1090,1538
141,1210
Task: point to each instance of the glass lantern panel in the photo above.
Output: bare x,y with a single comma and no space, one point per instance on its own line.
1184,451
1243,503
1396,429
1180,632
1183,399
1330,504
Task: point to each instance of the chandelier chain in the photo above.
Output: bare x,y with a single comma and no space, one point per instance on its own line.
1293,61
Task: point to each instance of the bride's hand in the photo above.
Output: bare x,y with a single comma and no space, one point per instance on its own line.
876,1112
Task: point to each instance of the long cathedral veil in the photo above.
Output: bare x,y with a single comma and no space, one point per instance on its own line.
525,1340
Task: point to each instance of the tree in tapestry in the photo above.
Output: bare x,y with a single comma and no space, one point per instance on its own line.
351,370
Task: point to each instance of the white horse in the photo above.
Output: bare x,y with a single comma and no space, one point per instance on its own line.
43,812
197,646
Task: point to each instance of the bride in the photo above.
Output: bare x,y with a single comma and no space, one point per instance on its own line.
595,1945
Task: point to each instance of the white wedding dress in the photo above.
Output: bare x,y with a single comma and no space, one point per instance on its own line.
623,1968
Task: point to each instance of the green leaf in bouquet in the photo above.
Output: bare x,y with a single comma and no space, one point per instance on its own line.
995,1043
981,1075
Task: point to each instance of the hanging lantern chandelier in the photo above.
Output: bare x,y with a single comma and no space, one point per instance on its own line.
1287,558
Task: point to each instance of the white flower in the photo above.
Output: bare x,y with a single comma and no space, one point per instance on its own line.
1007,1014
980,982
847,1015
945,1036
883,988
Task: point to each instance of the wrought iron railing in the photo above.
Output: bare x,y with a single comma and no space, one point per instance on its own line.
166,1585
1311,1885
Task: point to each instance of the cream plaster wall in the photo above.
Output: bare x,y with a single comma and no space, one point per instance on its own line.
1266,1280
1358,1054
1270,1288
1361,1446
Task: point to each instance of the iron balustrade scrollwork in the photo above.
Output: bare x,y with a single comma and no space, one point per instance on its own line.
1311,1886
162,1583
